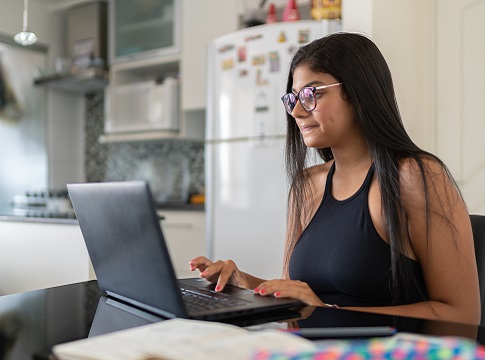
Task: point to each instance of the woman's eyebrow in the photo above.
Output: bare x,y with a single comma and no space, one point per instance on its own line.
311,83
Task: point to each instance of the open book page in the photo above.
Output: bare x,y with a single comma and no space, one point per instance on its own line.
182,339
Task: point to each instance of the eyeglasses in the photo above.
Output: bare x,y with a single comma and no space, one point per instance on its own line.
306,97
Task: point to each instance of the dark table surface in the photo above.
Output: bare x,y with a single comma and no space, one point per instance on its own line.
32,322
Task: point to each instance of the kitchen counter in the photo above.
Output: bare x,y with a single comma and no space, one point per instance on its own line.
180,207
11,215
183,227
23,218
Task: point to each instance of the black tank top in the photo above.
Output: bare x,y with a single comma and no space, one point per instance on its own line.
341,256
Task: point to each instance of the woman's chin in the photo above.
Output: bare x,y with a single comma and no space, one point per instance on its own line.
313,143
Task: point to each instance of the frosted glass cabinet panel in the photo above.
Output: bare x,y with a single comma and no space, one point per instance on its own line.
143,28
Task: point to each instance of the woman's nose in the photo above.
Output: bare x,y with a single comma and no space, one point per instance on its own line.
298,110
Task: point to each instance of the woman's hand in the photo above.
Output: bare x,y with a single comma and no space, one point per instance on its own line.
219,272
289,289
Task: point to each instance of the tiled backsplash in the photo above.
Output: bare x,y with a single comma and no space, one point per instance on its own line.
174,168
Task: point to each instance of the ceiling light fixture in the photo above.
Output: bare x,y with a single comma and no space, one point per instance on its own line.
25,37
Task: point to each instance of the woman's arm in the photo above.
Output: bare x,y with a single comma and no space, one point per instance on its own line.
443,245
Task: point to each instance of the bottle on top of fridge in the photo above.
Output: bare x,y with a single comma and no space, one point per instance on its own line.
291,12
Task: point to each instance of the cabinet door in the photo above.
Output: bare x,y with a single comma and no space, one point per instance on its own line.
143,28
184,233
41,255
202,21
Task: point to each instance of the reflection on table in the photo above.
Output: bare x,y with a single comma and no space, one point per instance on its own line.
32,322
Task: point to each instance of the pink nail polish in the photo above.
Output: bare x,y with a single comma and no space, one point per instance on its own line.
277,294
262,291
218,288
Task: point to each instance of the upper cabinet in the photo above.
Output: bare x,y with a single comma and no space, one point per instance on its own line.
152,40
143,29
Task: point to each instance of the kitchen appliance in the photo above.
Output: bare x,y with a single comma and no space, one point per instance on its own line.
51,203
246,189
143,106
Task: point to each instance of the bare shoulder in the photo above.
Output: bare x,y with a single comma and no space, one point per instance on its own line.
427,174
318,173
315,179
411,171
427,184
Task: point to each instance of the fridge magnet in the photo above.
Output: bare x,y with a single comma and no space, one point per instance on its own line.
259,78
225,48
292,49
258,59
243,72
274,61
303,36
241,54
261,113
253,37
227,64
282,37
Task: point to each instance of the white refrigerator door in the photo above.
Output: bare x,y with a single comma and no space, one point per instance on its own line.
249,205
247,75
246,191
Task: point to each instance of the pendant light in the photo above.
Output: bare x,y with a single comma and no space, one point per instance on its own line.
25,37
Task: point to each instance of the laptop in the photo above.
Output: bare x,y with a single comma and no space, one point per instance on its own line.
132,263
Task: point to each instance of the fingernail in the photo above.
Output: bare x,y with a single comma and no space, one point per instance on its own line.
277,294
262,291
218,288
256,290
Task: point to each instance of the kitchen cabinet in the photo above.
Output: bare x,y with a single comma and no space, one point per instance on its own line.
186,61
218,17
184,233
38,255
143,29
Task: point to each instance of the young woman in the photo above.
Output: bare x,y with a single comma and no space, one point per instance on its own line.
380,225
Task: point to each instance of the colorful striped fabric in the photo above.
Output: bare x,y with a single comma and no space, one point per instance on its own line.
398,347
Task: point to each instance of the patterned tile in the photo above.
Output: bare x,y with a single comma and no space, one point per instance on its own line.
174,168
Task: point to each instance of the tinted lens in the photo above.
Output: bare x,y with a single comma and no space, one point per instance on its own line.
307,98
289,100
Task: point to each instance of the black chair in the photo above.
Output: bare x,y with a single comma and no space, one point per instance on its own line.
478,227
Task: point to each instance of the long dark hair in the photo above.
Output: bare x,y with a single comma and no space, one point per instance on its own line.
356,62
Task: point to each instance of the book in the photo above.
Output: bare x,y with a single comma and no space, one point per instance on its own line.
183,339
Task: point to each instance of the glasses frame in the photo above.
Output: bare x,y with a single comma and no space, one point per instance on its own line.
313,89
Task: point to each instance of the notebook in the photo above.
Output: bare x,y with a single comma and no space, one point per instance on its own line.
132,263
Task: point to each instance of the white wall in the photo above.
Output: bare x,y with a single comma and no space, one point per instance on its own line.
404,31
65,112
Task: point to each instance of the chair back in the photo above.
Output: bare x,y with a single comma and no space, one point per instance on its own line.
478,227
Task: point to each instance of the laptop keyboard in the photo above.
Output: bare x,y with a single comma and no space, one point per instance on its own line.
200,300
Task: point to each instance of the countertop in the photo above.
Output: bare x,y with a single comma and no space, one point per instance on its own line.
9,214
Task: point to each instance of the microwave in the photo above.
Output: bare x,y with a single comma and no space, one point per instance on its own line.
142,106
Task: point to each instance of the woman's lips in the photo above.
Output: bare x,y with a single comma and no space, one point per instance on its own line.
306,128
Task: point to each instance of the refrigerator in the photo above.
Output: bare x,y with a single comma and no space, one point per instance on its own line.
245,178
